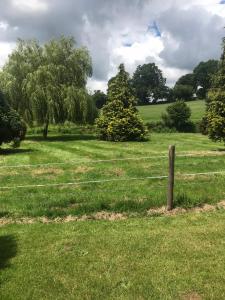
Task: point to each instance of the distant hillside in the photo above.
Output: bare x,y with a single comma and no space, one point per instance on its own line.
152,113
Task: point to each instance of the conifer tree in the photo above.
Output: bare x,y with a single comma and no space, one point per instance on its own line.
216,103
119,120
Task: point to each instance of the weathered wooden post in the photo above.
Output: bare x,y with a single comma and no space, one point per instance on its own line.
170,194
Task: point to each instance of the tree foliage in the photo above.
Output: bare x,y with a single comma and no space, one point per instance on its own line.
183,92
47,84
12,128
188,79
148,82
216,103
200,80
99,98
203,76
178,116
119,120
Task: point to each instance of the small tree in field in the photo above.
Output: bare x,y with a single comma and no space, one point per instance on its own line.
119,120
216,104
12,128
178,116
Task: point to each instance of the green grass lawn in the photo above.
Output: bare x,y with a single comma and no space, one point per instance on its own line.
78,151
152,113
180,257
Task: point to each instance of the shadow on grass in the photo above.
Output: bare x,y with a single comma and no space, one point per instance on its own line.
220,149
11,151
8,250
62,138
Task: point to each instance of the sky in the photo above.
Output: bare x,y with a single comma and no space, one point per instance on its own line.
174,34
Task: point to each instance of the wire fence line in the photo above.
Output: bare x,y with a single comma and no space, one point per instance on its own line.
104,161
76,183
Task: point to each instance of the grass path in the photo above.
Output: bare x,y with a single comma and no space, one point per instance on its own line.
141,258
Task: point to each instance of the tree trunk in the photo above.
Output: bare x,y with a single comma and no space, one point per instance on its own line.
45,130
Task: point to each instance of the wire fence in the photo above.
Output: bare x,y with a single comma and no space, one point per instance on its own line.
170,177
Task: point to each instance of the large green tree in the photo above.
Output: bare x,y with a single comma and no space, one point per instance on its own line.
25,59
215,115
199,82
188,79
119,120
148,83
47,84
203,76
12,127
183,92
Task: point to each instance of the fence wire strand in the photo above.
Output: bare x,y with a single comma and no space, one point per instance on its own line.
106,180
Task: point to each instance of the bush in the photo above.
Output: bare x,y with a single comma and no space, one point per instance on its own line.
178,116
12,128
119,120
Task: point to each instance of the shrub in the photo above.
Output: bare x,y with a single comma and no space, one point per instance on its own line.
178,116
119,120
12,128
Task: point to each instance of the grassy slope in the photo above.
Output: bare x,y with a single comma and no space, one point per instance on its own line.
135,196
152,113
155,258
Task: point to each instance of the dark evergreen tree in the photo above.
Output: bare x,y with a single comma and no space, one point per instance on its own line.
12,128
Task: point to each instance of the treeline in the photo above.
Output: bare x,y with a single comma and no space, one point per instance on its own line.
149,84
46,84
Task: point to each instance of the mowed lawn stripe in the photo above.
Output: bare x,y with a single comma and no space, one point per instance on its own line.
180,257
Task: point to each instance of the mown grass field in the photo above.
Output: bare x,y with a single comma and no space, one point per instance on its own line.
153,113
140,257
180,257
75,157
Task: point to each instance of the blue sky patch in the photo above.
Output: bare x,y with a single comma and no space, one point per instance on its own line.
127,44
222,2
154,28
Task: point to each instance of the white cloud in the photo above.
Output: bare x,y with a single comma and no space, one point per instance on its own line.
5,49
4,26
139,51
116,31
30,5
93,85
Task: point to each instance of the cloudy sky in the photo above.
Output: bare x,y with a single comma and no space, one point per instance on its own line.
175,34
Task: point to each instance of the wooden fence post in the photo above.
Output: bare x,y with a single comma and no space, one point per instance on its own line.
170,195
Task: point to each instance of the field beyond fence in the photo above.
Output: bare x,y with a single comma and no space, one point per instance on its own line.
75,177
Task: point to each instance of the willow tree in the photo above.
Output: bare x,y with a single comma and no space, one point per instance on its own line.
52,88
25,59
216,103
119,120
